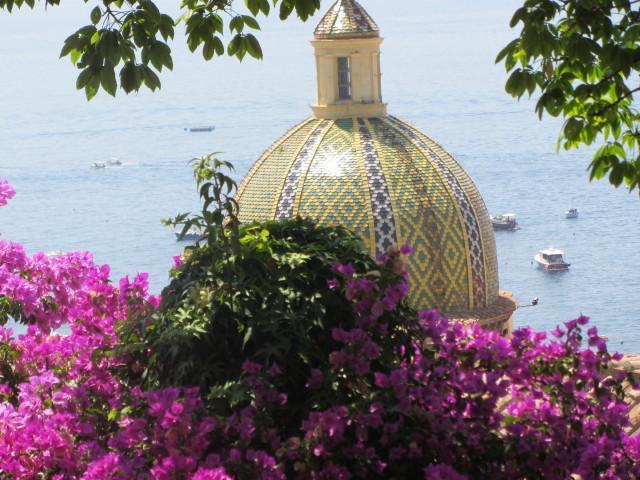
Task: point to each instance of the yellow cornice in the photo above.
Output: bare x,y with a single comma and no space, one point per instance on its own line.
348,110
347,43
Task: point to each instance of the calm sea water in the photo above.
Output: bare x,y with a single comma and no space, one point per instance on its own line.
438,74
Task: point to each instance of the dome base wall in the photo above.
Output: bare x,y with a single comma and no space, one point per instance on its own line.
334,112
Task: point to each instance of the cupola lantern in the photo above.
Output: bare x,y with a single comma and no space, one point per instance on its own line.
347,48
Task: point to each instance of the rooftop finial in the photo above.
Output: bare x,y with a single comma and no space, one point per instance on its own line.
346,19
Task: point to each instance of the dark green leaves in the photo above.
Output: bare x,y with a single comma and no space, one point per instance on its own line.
96,15
124,46
583,57
130,77
521,81
207,29
303,8
126,43
243,44
9,310
258,6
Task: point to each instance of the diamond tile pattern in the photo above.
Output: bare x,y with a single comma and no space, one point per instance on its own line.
428,220
473,236
384,223
299,168
346,18
389,184
334,191
261,187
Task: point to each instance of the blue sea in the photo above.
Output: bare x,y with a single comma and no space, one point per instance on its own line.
438,73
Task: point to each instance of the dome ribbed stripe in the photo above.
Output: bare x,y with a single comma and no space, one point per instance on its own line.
474,239
299,166
384,223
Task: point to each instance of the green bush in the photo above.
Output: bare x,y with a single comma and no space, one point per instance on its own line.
270,301
258,292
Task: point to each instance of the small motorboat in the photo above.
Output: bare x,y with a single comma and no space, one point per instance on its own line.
571,213
192,235
506,221
98,165
551,259
114,163
207,128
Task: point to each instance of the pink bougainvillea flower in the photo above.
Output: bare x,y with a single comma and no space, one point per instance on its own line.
419,398
6,192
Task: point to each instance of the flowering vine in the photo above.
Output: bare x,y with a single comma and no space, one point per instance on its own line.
6,192
394,396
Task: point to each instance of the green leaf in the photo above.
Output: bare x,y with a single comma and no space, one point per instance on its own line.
114,414
108,80
209,50
247,336
91,88
286,7
151,80
251,22
129,77
85,76
517,16
253,6
508,50
96,15
237,24
253,46
234,45
69,45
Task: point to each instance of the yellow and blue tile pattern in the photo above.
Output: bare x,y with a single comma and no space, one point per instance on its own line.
390,184
346,18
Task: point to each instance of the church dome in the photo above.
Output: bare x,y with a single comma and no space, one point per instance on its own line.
392,185
352,164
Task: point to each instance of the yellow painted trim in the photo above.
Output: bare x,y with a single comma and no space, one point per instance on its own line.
337,46
303,176
454,201
351,109
365,181
293,161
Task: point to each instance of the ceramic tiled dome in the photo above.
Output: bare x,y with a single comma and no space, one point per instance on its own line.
351,164
390,184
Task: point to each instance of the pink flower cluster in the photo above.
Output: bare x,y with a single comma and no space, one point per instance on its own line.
67,410
460,402
6,192
395,397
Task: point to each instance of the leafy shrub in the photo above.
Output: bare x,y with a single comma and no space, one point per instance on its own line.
262,294
270,302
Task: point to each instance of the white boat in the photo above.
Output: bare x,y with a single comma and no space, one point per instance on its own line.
203,128
98,165
571,213
506,221
551,259
192,235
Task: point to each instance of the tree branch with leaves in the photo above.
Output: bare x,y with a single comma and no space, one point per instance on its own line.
127,43
583,59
